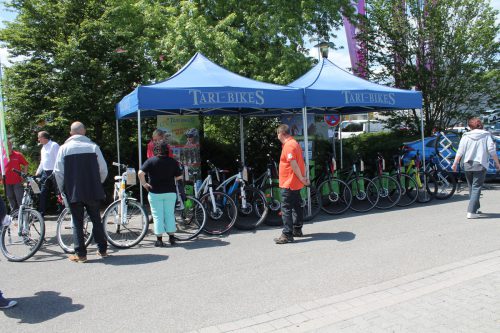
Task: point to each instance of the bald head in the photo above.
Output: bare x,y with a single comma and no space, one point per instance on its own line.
77,128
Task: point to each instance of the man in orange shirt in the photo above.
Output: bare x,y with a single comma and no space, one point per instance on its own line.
291,180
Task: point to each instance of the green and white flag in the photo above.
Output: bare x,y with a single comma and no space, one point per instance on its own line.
4,148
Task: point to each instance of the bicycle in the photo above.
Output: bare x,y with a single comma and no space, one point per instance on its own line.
24,235
270,187
221,209
190,215
64,229
365,194
409,187
336,196
389,189
125,220
415,171
250,201
445,181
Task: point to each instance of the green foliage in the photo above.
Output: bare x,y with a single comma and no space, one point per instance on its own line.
446,49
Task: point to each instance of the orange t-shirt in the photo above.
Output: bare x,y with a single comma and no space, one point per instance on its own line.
291,151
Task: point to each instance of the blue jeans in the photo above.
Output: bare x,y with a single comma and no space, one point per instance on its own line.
475,180
77,213
291,211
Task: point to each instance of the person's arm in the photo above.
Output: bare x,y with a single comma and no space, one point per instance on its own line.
24,163
103,167
59,171
458,155
142,179
298,173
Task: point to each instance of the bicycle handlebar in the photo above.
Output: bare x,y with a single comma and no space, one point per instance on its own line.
123,166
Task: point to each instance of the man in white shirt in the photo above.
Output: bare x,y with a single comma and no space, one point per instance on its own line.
48,156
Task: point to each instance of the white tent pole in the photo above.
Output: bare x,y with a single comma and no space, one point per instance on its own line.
306,149
139,148
242,141
341,150
423,145
118,144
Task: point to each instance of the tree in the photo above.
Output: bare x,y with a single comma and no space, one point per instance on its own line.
82,57
443,48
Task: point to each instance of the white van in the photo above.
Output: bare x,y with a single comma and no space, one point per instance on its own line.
352,128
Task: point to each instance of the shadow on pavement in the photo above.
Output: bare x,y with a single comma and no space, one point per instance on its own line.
341,236
484,216
43,306
116,259
202,243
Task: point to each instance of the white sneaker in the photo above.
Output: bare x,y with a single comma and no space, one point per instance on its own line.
472,216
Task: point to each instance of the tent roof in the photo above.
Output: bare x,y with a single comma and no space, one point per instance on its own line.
329,87
203,86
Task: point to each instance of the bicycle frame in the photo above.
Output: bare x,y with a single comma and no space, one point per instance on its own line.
120,193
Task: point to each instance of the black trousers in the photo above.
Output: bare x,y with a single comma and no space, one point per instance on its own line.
291,211
78,212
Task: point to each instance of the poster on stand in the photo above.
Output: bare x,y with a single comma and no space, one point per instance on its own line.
184,139
296,126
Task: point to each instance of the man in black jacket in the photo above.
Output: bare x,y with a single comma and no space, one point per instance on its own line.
80,171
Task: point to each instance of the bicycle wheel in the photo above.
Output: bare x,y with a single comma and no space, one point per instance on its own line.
273,218
336,196
127,233
446,184
429,192
253,212
364,194
65,231
315,203
190,220
409,190
20,241
221,212
389,191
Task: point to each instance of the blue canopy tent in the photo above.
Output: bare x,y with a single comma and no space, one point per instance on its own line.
330,89
203,87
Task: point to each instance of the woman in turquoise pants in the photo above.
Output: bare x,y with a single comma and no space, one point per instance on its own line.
161,171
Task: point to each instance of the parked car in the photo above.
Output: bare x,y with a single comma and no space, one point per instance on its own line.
352,128
490,116
494,129
430,149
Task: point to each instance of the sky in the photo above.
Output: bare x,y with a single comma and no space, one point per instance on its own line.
339,57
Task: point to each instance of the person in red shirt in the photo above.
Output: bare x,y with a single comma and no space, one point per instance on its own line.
291,180
13,182
158,135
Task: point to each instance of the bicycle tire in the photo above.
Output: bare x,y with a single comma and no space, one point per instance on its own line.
389,191
190,220
273,218
222,219
64,238
336,196
315,203
20,246
409,191
255,212
363,200
125,236
446,184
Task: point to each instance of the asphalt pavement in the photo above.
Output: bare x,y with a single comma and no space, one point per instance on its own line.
245,282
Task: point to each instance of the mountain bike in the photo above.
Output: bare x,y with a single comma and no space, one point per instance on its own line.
250,201
336,196
125,220
389,189
414,169
221,209
445,181
24,236
365,193
409,187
